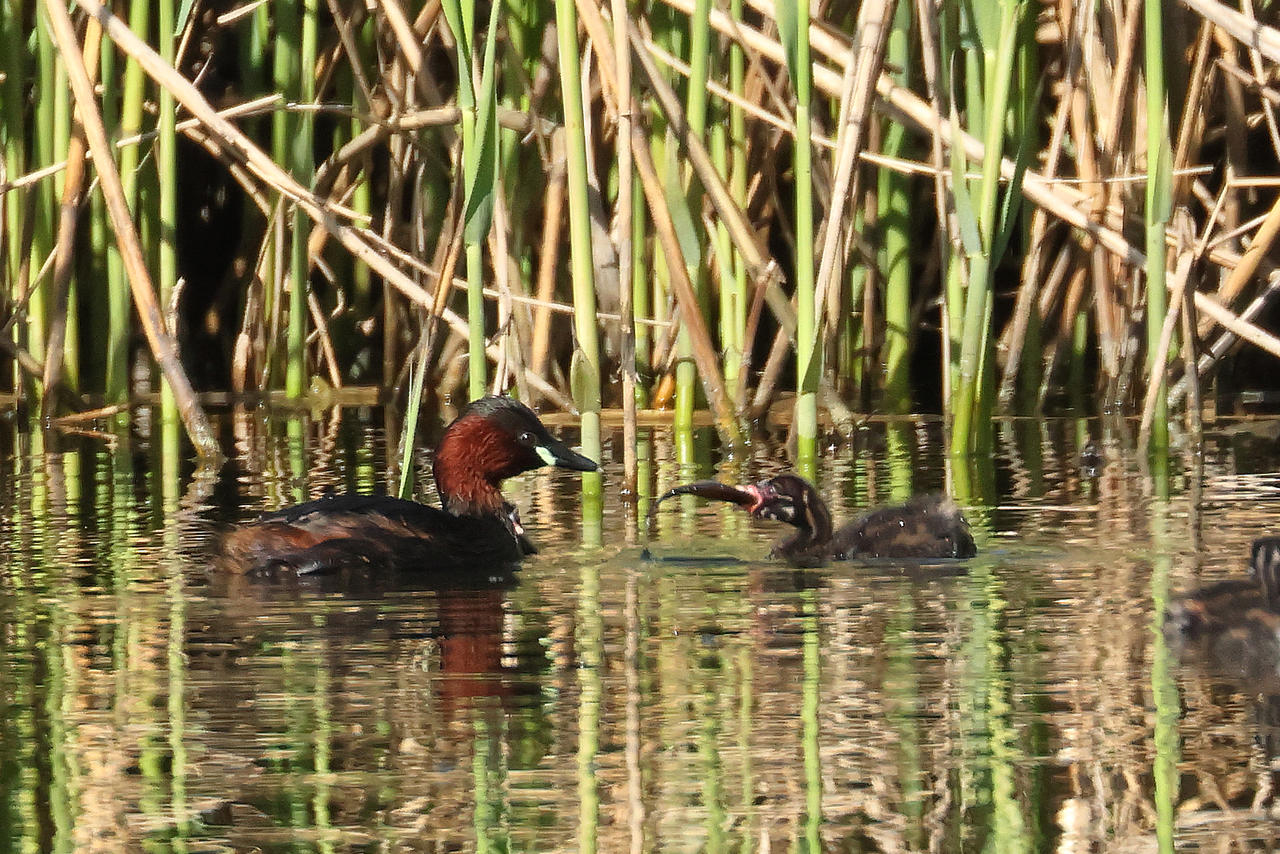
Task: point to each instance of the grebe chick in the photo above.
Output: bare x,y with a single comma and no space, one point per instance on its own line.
926,527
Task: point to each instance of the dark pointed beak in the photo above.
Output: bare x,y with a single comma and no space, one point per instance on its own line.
556,453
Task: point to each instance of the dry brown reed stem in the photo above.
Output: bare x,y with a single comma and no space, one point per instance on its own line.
549,257
326,342
256,107
1227,339
777,120
1155,382
448,250
704,352
68,216
623,235
760,267
769,376
163,347
505,270
346,38
1241,328
1259,246
1192,127
410,39
1060,200
1093,168
326,214
856,99
362,243
1014,336
1250,33
32,367
1191,365
950,246
759,264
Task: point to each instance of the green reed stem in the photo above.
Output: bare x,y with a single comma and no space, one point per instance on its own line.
412,408
286,73
590,646
895,227
61,147
1164,688
12,132
166,154
971,394
97,336
793,26
477,364
811,727
585,368
738,190
302,165
477,100
119,306
47,192
686,207
730,294
362,196
1157,209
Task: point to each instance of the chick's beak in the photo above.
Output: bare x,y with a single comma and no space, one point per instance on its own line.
761,494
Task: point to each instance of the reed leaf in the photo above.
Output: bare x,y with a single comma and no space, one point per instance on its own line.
971,394
477,99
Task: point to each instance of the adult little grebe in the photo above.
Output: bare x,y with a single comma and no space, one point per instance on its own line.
1235,624
927,526
492,439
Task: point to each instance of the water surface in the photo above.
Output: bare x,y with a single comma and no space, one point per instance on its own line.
700,698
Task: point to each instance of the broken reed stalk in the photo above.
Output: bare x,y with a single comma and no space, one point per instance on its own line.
162,345
68,218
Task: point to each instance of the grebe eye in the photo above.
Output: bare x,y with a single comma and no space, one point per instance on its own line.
527,438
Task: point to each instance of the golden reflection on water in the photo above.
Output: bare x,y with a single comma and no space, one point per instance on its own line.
599,700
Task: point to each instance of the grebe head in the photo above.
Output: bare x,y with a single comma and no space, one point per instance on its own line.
791,499
492,439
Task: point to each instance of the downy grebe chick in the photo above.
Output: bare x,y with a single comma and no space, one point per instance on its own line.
1235,624
926,527
492,439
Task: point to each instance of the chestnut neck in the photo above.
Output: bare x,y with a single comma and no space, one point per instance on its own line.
470,464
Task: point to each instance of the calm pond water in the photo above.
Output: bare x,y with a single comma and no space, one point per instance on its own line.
698,698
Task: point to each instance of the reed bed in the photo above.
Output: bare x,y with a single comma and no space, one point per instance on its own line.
878,207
